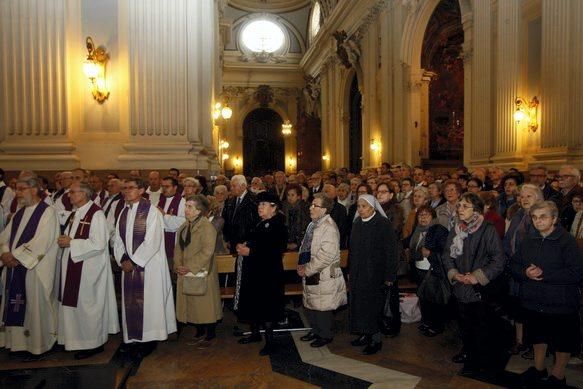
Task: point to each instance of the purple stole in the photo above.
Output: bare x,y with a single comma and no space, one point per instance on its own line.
116,197
102,198
170,237
133,283
73,278
67,202
15,292
14,205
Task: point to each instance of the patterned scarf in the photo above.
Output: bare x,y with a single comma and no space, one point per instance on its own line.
462,231
305,248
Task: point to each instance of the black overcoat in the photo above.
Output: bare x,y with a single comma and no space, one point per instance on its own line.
239,221
372,261
261,297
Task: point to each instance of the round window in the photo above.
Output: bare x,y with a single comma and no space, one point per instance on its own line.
263,36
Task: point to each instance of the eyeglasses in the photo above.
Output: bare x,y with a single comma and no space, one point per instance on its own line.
463,206
541,217
130,187
22,188
316,206
565,176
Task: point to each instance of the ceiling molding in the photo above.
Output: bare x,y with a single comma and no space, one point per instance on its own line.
274,6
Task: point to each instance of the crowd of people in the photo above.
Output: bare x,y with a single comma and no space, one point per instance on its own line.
501,247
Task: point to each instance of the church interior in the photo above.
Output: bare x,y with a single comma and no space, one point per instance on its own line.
215,87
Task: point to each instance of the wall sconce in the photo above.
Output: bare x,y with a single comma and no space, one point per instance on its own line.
94,69
286,128
225,156
237,162
291,162
375,146
325,157
223,144
226,112
527,111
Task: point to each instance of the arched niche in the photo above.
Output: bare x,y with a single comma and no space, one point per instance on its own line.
263,143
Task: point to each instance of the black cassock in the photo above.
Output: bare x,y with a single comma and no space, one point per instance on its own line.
372,261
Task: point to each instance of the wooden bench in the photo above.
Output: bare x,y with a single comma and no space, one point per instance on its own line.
226,265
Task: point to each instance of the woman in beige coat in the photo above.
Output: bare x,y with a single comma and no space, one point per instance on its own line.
194,256
319,264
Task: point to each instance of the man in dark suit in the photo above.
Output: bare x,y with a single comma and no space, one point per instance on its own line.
338,214
538,176
240,213
316,185
569,177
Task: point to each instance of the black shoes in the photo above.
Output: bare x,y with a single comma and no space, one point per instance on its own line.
532,377
362,340
253,338
309,337
431,332
372,348
554,382
84,354
461,357
320,342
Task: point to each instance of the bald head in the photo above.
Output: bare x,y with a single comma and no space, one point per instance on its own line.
154,180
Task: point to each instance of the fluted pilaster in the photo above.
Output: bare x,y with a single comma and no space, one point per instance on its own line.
32,67
481,138
555,106
507,71
576,73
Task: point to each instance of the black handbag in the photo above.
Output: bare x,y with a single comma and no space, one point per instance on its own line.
434,289
314,279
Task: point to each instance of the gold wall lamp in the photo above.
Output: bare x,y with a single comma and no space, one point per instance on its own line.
286,128
527,111
94,69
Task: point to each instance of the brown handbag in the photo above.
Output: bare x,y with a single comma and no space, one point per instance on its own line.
194,286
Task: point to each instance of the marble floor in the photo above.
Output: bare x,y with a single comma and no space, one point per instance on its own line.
407,361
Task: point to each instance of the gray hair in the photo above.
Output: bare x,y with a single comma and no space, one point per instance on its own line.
573,170
239,179
87,189
422,189
344,186
533,188
32,181
550,205
191,179
201,202
326,202
220,188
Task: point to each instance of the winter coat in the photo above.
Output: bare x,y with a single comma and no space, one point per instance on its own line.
482,256
198,256
562,264
330,293
372,261
261,295
239,221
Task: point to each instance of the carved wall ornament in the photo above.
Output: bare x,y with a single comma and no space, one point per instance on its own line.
347,48
263,95
311,94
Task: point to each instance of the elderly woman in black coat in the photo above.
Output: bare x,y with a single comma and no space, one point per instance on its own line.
260,297
373,267
474,259
550,266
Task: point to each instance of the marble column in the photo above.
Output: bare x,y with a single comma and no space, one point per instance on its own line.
508,71
35,121
171,81
481,88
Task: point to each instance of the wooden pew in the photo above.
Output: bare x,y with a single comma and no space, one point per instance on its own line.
226,265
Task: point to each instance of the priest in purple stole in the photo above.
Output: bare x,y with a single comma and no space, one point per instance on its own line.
87,304
147,313
172,204
28,262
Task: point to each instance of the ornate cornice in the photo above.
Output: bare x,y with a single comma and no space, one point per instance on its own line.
274,6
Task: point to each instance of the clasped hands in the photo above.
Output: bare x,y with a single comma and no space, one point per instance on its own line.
64,241
534,272
9,260
182,270
242,249
301,270
467,279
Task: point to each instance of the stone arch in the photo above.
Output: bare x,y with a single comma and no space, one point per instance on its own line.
411,48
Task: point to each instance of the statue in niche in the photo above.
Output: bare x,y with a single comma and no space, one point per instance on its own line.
263,95
311,93
347,49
